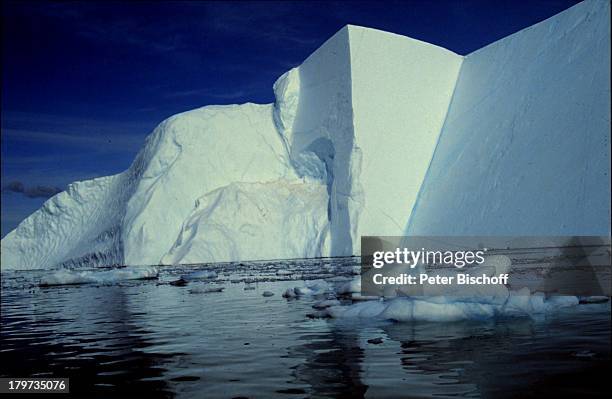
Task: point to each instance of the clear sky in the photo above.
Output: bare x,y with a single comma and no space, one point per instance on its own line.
83,83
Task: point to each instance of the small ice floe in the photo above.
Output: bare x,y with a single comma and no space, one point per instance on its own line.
72,277
200,275
311,288
350,287
284,273
206,290
446,309
268,293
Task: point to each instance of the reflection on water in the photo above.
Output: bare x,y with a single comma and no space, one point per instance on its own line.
149,337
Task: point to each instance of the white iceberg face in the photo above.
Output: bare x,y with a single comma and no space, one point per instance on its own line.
283,219
135,217
81,225
525,149
384,131
193,154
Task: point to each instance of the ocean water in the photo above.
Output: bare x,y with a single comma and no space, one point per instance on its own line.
149,337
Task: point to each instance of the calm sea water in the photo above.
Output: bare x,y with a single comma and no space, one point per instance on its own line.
151,338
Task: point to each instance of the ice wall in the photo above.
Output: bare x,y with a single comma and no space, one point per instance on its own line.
401,90
525,148
363,113
319,131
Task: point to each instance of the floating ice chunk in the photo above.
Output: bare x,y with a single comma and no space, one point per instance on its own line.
200,275
284,273
319,287
297,291
303,291
71,277
311,288
405,309
440,309
353,286
519,303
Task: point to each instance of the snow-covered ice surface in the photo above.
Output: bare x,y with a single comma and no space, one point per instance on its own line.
374,134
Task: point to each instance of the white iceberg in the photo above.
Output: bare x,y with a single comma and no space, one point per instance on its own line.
374,134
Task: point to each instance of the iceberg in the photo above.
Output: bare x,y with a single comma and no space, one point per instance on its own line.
373,134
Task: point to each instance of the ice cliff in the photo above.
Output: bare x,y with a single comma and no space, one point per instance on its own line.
374,134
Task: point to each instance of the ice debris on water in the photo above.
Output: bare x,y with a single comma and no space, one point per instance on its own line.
311,288
72,277
200,275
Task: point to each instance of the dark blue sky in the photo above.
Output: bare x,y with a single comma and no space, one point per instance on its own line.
84,83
